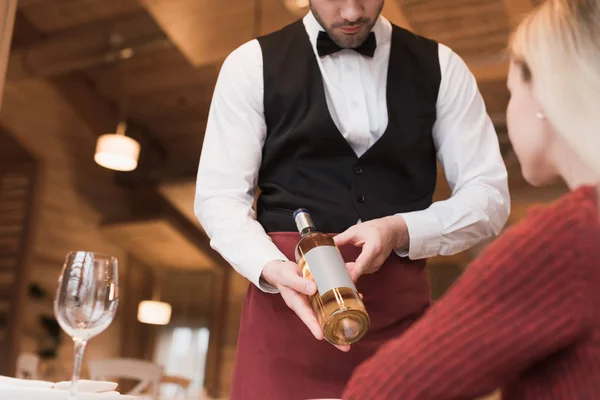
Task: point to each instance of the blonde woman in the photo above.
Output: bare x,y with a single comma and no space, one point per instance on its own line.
525,317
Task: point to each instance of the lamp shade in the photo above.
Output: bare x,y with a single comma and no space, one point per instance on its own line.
297,7
154,312
117,152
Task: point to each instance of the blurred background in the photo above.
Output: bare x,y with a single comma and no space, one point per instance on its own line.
76,70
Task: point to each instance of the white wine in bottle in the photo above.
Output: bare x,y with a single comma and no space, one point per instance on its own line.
337,304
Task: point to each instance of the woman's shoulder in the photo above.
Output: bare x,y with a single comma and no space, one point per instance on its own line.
563,233
576,209
570,222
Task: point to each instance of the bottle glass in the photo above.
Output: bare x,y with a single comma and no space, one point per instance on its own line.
337,304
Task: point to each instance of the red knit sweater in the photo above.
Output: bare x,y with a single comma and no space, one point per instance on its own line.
524,317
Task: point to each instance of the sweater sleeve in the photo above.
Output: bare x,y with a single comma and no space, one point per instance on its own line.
515,305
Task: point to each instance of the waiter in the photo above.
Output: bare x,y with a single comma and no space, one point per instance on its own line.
344,114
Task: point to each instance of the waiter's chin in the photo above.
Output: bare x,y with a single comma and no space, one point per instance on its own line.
351,37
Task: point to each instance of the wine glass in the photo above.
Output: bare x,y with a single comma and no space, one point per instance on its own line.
86,300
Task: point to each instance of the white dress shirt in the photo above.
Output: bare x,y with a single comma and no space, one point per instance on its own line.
355,87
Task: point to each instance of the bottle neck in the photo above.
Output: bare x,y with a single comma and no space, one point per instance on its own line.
304,223
307,231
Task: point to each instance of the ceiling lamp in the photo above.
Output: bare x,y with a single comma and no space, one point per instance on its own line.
154,312
117,151
297,7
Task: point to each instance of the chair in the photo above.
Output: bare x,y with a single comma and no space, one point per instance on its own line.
181,383
148,373
27,366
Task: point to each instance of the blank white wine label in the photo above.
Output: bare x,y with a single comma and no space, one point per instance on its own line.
328,269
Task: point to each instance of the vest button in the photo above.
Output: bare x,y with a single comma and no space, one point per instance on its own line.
358,170
360,198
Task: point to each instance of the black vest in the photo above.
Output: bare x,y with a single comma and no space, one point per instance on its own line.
307,163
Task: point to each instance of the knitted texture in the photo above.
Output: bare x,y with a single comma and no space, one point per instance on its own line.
524,317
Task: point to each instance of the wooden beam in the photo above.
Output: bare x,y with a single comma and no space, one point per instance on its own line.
23,275
82,48
218,325
158,242
148,204
205,31
8,11
135,337
517,9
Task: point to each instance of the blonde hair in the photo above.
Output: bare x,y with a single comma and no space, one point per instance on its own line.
558,49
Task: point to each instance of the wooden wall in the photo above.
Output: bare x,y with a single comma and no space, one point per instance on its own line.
17,194
8,9
39,119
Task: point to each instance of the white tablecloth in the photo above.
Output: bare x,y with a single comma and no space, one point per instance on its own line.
20,389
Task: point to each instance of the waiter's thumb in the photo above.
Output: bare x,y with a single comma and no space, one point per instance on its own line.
363,261
299,284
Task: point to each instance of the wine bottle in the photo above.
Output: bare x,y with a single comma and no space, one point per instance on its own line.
337,304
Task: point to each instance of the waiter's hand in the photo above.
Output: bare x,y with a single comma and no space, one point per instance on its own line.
377,238
287,278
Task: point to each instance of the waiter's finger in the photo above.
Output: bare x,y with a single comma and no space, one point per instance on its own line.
349,236
299,304
290,278
345,348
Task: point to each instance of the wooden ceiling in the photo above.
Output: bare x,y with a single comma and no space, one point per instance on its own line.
179,45
155,62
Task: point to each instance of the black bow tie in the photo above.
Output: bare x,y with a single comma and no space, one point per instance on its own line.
326,46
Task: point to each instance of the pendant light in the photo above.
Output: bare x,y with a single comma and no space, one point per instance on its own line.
116,151
297,7
155,311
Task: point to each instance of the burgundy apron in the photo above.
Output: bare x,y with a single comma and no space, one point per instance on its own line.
277,357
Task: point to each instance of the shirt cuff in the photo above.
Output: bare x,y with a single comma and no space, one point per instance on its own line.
424,233
260,260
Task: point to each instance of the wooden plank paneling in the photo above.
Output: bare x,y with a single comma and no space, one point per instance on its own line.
55,15
274,15
218,325
152,77
495,95
516,9
489,71
136,286
473,28
17,203
8,10
205,31
182,195
186,104
158,243
43,122
10,151
392,10
81,48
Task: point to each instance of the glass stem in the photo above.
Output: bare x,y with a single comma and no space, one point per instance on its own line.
79,349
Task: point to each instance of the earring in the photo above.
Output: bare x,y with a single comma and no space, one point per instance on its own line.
540,115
